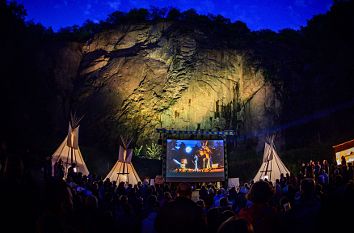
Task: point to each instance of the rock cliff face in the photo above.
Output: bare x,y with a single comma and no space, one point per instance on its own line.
137,78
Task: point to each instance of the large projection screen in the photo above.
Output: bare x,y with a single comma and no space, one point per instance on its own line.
195,160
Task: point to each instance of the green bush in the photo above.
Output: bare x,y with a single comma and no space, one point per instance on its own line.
153,151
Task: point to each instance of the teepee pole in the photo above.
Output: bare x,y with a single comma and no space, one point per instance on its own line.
118,173
61,151
266,170
71,155
67,159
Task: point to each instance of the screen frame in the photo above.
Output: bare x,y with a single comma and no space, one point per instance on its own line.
198,177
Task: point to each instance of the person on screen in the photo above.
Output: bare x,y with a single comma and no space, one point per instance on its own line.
205,151
195,163
182,165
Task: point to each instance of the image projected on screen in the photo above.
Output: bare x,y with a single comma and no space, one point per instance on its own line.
195,160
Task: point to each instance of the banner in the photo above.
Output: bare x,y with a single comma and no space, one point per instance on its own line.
233,182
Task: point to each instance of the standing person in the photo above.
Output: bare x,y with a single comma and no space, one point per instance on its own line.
59,170
343,167
195,163
205,151
325,166
72,171
343,161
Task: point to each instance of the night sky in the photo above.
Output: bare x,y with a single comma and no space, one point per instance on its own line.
257,14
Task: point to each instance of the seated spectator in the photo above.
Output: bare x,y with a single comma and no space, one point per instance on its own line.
167,197
58,213
232,194
225,215
214,219
72,171
323,178
219,194
304,215
261,215
203,193
201,203
225,204
181,215
235,225
149,221
59,169
244,189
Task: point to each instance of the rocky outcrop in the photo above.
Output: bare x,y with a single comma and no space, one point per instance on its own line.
137,78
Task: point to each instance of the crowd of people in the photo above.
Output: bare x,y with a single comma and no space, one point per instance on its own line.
319,198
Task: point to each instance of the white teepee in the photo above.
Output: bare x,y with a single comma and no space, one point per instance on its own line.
69,151
272,165
123,170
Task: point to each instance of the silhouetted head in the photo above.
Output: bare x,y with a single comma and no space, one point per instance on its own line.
184,190
91,202
260,192
224,202
123,199
235,225
225,215
152,201
307,187
58,196
201,203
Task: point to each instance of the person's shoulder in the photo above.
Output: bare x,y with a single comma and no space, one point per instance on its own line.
178,203
184,200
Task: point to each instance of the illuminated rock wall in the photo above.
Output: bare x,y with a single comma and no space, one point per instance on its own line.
138,78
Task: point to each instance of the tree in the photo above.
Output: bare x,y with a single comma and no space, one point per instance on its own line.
116,18
157,13
137,151
138,15
189,15
153,151
173,14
